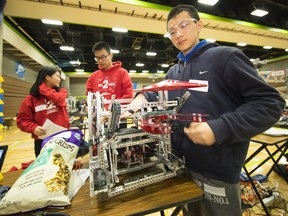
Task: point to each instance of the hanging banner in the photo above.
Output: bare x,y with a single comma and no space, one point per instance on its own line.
20,69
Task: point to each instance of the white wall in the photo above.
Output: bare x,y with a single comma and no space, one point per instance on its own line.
279,65
78,85
8,69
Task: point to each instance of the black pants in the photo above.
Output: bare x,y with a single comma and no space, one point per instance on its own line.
37,147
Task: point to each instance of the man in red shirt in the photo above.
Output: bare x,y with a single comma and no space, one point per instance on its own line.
110,79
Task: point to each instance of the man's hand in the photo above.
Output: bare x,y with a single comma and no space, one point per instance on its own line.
40,131
127,114
200,133
133,106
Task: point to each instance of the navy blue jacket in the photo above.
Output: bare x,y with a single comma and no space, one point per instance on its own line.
239,104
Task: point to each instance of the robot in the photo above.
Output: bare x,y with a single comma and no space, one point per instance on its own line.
125,159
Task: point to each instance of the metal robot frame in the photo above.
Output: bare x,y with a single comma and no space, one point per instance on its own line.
114,154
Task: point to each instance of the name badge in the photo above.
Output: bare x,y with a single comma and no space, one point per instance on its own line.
201,89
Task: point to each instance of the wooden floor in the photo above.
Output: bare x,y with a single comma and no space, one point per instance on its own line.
21,151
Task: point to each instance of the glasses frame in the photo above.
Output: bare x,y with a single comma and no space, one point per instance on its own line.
176,27
102,58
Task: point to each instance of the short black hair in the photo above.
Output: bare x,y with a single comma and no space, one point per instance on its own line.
191,10
45,71
101,45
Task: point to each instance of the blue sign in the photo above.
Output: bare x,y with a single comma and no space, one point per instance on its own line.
20,69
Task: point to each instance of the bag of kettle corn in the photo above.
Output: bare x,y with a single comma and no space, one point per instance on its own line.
46,181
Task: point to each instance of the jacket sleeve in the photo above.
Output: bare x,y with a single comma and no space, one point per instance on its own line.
58,98
126,86
25,120
260,105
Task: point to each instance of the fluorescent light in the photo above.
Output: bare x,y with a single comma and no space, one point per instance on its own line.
276,30
165,65
241,44
79,70
259,13
132,71
67,48
145,71
166,35
160,71
151,53
267,47
211,40
286,50
208,2
118,29
114,51
52,22
139,64
75,62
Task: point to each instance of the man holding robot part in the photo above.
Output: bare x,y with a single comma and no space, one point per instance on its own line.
239,105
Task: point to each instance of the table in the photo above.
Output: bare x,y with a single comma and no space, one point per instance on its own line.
173,192
281,145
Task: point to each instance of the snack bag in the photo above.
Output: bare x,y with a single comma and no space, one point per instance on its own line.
46,181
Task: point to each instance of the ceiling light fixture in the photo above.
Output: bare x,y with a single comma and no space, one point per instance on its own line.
259,12
79,70
114,51
211,40
119,29
67,48
286,50
139,64
132,71
145,71
151,53
164,65
208,2
241,44
267,47
75,62
52,22
166,35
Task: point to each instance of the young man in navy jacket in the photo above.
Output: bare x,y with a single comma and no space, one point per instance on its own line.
239,105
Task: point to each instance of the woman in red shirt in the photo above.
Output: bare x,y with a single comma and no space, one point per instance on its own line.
46,101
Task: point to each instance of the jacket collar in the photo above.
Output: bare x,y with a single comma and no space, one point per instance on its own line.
187,57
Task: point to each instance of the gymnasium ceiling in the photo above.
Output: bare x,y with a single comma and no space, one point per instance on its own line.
88,21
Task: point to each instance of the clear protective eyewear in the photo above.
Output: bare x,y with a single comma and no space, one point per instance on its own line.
180,26
100,58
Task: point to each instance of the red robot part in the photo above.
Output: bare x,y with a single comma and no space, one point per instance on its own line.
161,123
170,85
